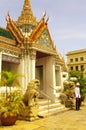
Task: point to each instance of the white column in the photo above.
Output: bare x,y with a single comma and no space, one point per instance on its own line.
54,76
33,61
22,72
33,69
26,71
61,81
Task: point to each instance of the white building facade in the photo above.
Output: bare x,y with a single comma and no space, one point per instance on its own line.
26,47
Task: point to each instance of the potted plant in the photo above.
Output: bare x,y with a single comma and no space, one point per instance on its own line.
11,103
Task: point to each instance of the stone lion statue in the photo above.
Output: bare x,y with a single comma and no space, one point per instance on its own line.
31,94
30,99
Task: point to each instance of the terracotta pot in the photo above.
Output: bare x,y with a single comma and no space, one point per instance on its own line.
9,120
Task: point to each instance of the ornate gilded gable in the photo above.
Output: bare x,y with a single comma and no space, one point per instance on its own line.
41,34
45,39
37,31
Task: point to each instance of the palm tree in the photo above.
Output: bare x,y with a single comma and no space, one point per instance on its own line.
9,79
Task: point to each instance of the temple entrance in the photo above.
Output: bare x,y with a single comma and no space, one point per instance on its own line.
41,71
45,73
39,75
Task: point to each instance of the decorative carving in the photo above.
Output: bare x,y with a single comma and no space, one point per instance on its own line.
39,28
10,59
26,16
9,50
43,48
33,54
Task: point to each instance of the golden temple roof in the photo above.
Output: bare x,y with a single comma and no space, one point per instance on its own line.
11,26
26,16
36,32
41,34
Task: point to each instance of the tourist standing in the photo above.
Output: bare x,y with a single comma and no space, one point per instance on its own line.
78,96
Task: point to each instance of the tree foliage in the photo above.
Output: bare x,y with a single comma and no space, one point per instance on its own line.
81,79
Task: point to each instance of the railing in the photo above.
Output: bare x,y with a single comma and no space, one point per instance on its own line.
55,88
47,96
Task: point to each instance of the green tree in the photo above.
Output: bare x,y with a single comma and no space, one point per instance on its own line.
81,79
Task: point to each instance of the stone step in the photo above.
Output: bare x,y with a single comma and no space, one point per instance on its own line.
47,107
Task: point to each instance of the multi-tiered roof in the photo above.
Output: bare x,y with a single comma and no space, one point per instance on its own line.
27,28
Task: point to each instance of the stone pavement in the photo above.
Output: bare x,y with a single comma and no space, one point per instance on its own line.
63,120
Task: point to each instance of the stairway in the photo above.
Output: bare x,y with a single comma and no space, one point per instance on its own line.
46,107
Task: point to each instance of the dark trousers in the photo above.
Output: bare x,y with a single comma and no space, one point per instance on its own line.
78,103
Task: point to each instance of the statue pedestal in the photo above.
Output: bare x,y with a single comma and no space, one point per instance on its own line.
29,114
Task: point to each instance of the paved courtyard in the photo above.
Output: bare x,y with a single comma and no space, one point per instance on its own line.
64,120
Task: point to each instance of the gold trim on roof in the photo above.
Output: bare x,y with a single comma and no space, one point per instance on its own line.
41,26
11,26
7,40
26,16
9,47
36,32
43,48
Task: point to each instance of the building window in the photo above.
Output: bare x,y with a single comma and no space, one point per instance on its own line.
71,68
76,68
81,58
82,67
76,59
71,60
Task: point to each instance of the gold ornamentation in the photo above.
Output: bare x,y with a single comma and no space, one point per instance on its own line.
14,30
33,54
39,28
7,40
9,49
43,48
26,16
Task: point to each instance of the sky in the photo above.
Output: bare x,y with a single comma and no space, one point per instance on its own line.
67,20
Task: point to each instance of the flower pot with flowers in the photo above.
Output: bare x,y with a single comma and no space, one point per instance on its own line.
11,102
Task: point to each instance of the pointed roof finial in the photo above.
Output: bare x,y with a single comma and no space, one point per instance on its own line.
47,19
26,16
27,3
44,14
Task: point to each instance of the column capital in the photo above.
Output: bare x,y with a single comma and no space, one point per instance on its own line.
33,54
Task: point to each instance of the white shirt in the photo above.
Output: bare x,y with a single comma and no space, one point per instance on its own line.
77,92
